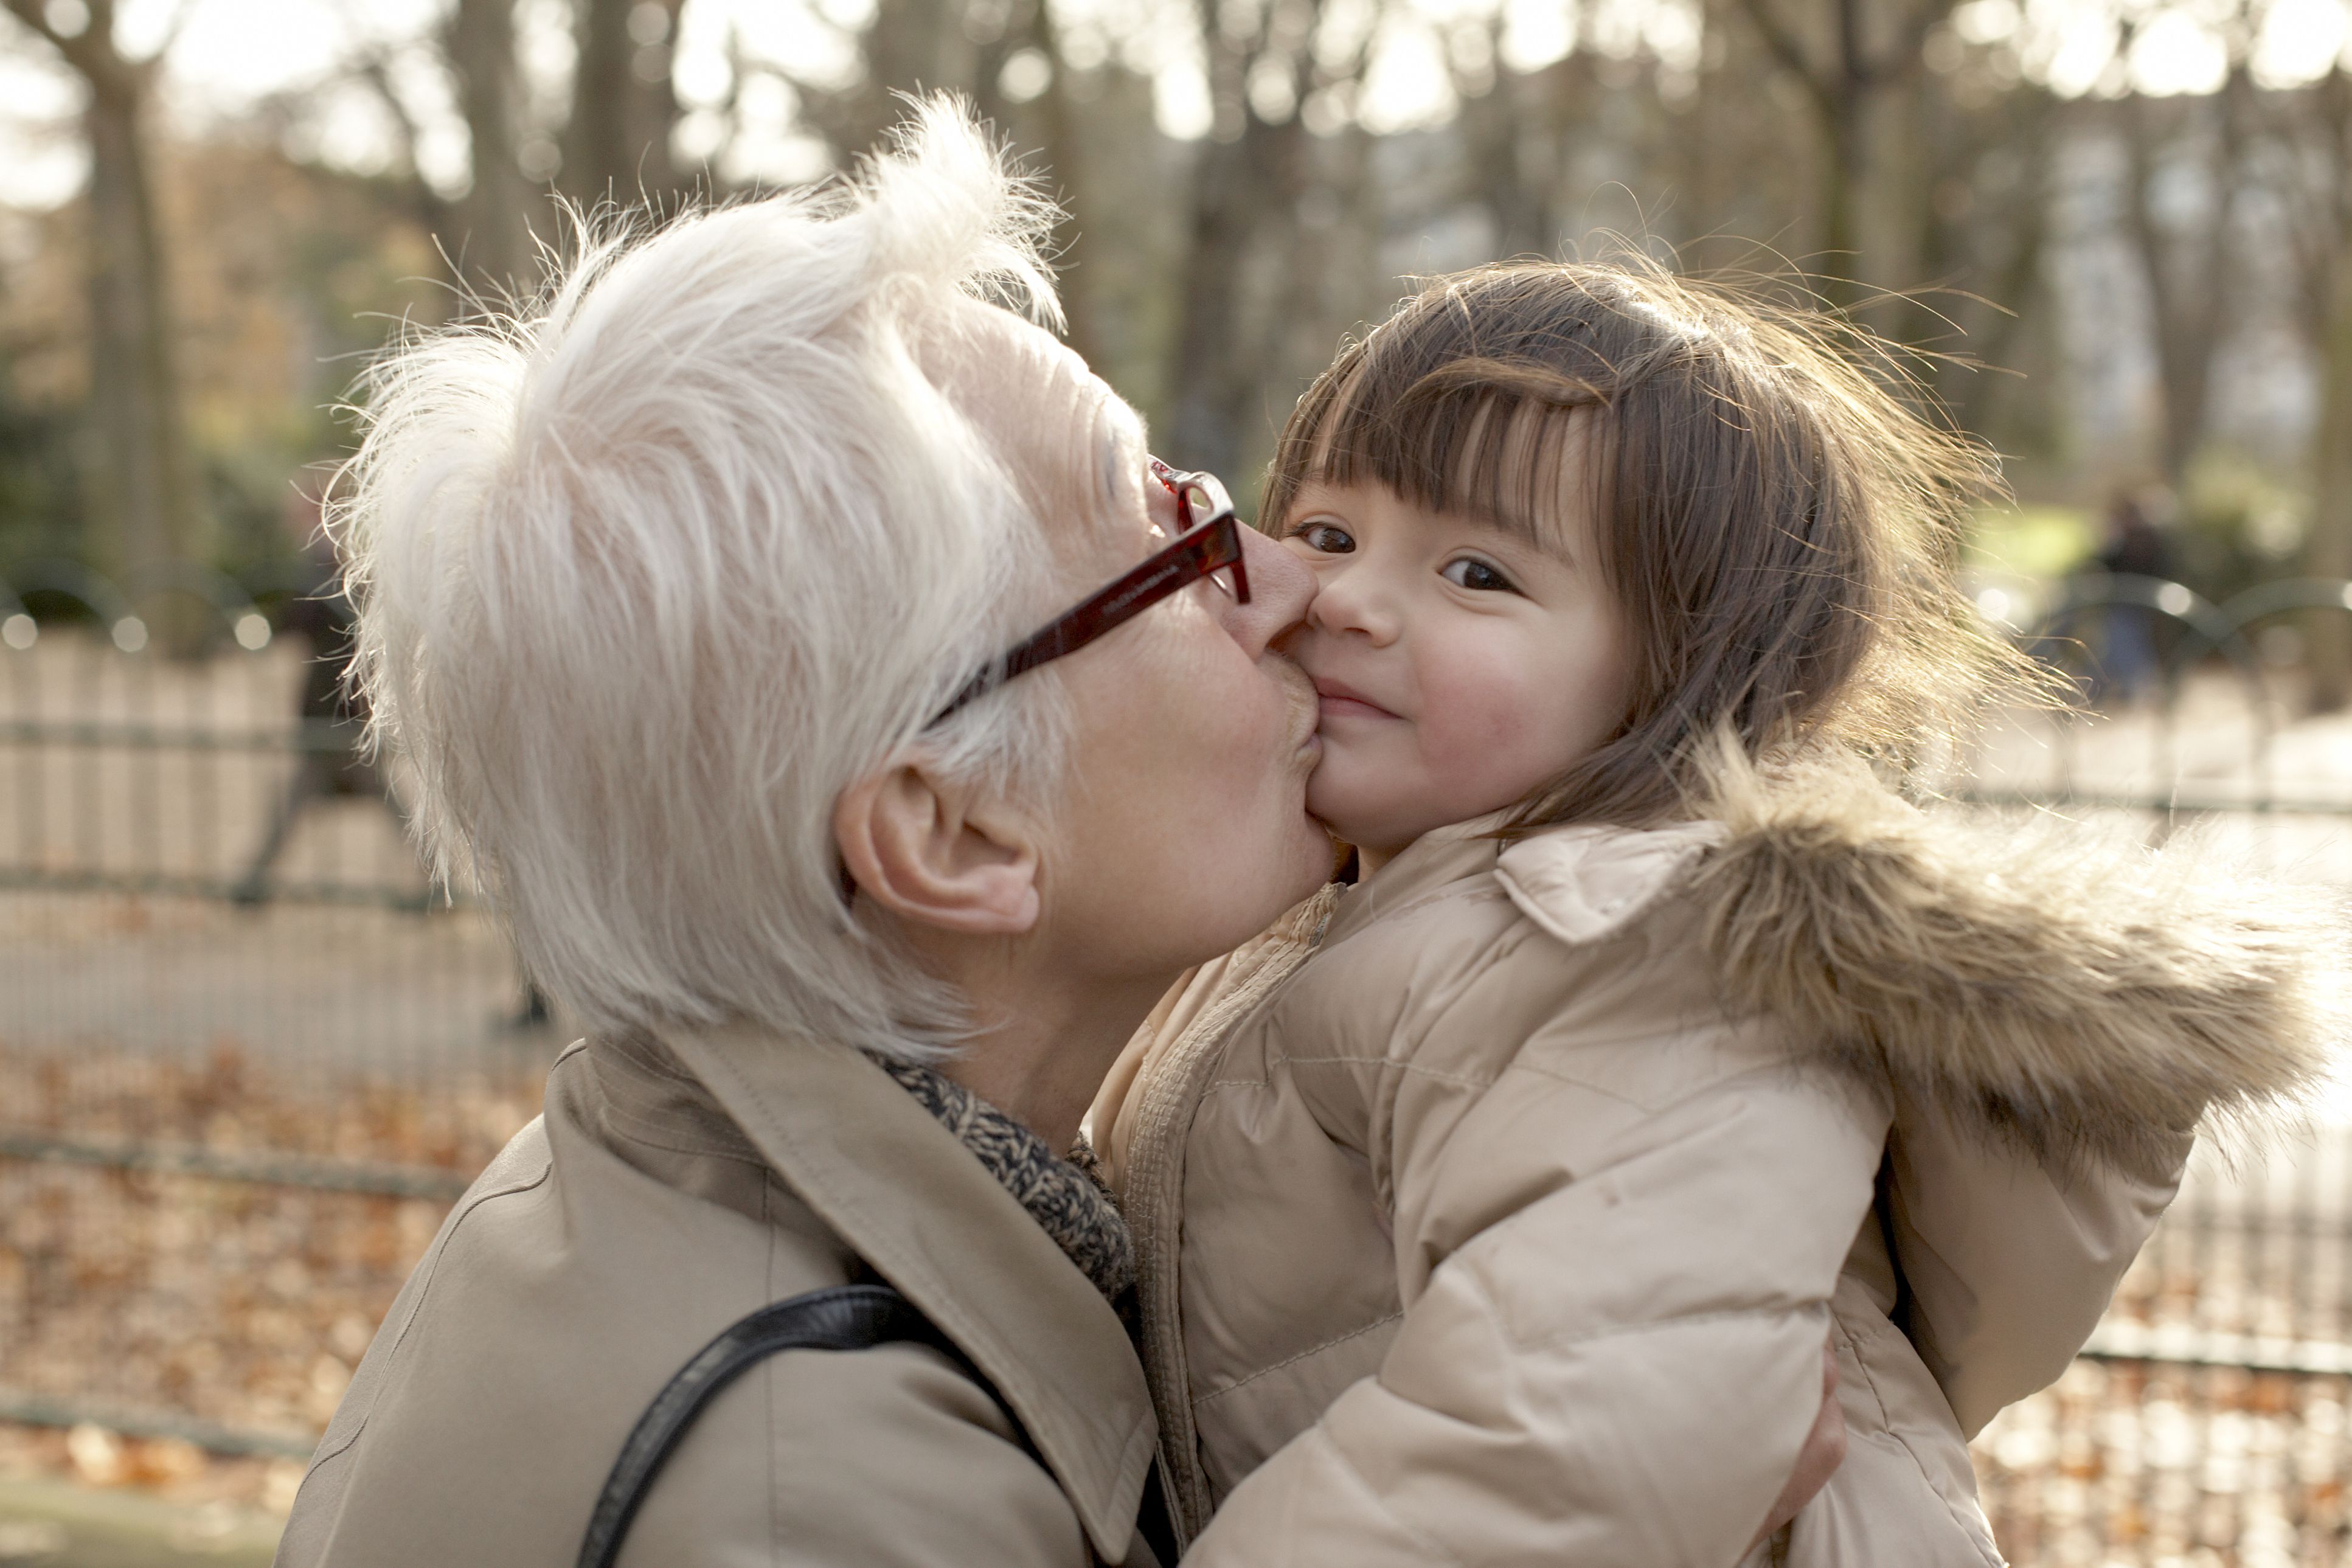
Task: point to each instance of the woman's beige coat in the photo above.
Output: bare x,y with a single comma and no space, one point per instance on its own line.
665,1193
1508,1229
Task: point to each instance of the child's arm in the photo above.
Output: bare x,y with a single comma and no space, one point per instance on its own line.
2007,1264
1616,1363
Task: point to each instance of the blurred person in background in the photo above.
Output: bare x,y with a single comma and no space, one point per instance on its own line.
333,760
2132,545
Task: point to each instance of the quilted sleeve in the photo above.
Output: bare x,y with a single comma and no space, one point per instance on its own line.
2008,1265
1610,1359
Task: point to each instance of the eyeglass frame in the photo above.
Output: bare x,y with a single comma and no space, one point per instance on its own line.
1199,549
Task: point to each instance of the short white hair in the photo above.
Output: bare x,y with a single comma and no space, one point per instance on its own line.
645,579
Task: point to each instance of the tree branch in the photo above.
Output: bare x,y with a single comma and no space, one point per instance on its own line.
1786,49
181,12
1900,60
32,13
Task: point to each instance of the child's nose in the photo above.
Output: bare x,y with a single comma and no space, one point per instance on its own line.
1350,599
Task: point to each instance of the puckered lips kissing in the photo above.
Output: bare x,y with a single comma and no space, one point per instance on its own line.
1304,714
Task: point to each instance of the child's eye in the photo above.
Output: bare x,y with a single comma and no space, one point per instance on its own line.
1324,537
1469,572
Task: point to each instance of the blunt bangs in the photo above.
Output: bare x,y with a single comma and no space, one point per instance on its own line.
1485,413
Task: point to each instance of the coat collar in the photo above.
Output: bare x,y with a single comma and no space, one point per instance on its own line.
1579,882
1584,883
1439,861
912,1202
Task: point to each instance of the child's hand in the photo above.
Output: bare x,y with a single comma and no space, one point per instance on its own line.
1818,1460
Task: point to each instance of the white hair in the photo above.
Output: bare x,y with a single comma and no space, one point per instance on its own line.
644,580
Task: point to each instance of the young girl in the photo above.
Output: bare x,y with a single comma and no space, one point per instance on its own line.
1520,1184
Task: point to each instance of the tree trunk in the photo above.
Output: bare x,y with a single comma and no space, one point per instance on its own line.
2328,547
1246,186
2184,272
1214,370
1501,131
1844,90
491,244
616,146
142,478
1845,175
1063,136
146,485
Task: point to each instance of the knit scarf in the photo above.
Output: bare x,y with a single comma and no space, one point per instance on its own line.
1068,1202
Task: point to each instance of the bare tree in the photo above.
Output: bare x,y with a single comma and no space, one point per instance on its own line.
916,46
485,231
1246,246
2183,160
1974,189
1511,139
1848,57
612,145
2312,137
142,480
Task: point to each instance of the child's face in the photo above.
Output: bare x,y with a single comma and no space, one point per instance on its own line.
1459,665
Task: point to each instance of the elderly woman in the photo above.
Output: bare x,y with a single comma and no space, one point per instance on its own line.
690,604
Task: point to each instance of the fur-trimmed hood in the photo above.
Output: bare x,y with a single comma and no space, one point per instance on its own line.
2087,998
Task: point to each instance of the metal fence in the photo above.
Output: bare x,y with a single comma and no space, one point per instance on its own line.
246,1058
2207,1423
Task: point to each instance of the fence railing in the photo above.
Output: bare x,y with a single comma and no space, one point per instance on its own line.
248,1054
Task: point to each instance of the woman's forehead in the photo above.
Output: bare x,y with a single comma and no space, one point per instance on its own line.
1073,444
1120,449
1089,435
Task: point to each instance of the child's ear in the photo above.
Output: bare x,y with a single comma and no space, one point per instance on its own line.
937,853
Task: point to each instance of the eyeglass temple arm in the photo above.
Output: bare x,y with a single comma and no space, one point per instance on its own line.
1117,603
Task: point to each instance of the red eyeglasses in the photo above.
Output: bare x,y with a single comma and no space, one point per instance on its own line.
1208,540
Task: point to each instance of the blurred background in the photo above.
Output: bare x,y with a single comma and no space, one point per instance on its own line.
246,1058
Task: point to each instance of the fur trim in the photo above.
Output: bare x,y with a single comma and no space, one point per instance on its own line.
2088,1000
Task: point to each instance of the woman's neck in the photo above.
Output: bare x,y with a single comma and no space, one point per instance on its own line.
1044,1060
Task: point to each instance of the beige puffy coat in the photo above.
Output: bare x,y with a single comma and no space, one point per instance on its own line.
667,1191
1509,1228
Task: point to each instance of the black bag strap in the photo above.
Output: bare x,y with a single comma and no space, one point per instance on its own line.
843,1317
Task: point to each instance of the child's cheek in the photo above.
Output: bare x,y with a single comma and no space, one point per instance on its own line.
1482,736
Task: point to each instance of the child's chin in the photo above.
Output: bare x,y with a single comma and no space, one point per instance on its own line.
1339,808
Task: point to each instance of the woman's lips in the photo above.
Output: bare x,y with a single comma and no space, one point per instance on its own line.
1337,699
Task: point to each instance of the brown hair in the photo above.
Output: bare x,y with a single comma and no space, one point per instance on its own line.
1781,529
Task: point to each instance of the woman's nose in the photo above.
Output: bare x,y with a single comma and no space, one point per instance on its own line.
1280,585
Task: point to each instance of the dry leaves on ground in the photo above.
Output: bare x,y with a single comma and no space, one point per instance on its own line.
233,1302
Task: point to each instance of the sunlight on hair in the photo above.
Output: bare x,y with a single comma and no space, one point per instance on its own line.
648,572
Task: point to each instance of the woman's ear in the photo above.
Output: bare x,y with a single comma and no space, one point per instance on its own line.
938,854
